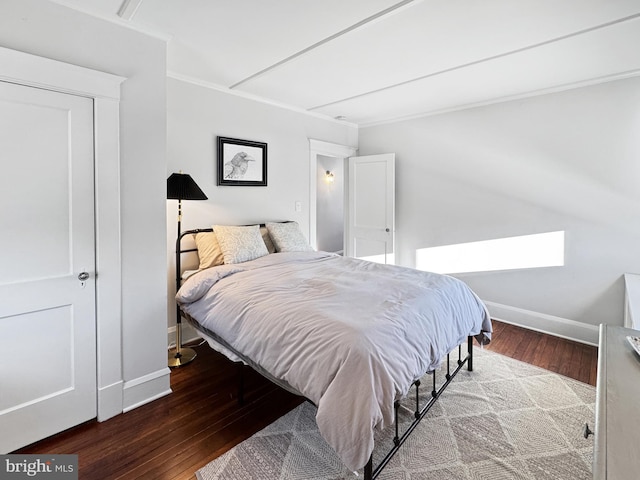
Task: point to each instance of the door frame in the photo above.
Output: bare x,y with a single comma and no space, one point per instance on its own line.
104,88
318,147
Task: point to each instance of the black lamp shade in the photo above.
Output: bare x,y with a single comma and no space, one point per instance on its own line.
180,186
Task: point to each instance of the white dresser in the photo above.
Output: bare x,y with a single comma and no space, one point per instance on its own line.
616,454
631,300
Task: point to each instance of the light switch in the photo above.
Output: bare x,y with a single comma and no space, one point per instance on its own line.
298,206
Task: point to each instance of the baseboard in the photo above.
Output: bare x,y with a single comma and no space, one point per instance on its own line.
110,401
145,389
541,322
189,334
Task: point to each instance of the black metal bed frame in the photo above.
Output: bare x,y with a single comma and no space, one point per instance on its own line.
370,473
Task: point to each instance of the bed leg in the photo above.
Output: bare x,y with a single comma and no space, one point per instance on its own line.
396,407
470,351
368,469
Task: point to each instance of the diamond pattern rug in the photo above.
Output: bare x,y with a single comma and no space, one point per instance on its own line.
505,420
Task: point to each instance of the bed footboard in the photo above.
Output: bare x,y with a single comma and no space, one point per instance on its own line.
420,411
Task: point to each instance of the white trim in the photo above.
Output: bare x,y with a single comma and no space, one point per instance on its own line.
165,37
110,401
108,253
145,389
149,377
255,98
319,147
27,69
508,98
104,88
331,149
541,322
189,334
147,400
171,337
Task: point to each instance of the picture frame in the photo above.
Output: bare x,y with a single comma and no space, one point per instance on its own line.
241,162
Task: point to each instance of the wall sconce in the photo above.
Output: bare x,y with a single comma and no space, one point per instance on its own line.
328,177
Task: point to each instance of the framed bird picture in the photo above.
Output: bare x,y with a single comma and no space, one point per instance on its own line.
242,162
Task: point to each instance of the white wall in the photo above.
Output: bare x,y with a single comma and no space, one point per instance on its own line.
196,115
565,161
53,31
330,204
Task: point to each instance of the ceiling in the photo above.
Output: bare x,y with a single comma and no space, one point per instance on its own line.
373,61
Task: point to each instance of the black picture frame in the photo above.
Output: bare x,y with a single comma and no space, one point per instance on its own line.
236,171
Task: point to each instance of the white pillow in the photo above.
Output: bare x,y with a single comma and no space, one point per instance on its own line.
240,244
287,237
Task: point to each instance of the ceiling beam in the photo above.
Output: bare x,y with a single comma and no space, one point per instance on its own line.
128,9
479,61
376,16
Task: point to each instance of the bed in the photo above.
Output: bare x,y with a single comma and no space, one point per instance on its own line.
351,336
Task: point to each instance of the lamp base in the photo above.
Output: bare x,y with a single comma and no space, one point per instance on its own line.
185,356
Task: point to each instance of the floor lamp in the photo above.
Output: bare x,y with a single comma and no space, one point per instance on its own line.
181,186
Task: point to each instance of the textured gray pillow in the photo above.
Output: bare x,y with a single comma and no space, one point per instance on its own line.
240,244
287,237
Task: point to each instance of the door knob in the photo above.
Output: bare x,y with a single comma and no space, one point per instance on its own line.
83,276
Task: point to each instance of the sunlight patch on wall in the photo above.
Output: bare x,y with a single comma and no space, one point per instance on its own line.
527,251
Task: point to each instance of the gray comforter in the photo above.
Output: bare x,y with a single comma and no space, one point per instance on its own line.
350,335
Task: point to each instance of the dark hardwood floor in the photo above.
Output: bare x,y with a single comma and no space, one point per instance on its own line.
558,355
176,435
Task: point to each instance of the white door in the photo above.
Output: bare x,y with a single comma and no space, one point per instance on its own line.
371,211
47,315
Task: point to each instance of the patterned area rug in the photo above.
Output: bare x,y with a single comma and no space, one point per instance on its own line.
504,420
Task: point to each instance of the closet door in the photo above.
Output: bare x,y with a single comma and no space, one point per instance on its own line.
47,252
